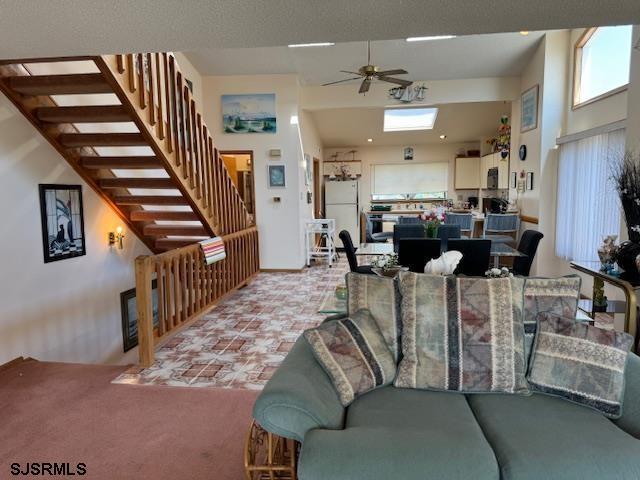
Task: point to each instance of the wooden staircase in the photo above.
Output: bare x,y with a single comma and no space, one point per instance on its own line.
129,126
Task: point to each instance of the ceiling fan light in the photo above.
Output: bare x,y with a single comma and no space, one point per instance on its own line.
430,38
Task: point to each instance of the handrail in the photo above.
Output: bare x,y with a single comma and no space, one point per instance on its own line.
154,86
187,287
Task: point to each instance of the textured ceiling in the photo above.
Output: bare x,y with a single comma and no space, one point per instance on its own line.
475,56
460,122
31,28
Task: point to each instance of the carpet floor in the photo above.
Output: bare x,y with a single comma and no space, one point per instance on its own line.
57,412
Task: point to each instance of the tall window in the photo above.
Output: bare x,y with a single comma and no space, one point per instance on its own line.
588,208
411,181
602,61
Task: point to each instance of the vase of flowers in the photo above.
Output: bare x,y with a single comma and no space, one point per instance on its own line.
386,265
498,273
627,180
432,221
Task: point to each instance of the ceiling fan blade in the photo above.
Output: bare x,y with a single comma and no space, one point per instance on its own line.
364,86
353,73
397,81
340,81
398,71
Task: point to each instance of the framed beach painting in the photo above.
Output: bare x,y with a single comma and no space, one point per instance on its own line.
252,113
529,109
62,221
276,176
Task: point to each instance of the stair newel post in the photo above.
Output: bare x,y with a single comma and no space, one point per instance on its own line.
144,305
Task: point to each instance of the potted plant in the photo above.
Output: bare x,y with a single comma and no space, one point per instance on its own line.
626,176
386,265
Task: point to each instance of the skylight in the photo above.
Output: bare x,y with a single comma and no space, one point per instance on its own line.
402,119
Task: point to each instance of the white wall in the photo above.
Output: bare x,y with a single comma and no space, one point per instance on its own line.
374,155
278,223
633,105
190,72
67,310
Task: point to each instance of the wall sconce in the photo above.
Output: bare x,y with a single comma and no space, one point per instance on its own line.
116,238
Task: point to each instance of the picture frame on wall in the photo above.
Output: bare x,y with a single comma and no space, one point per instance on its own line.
249,113
276,176
129,312
407,153
62,219
529,180
514,179
529,109
308,173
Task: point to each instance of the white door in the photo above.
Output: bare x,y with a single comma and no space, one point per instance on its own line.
346,217
341,192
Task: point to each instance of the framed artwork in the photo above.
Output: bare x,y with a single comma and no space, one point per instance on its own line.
529,109
254,113
308,173
276,176
407,153
514,179
129,309
62,222
529,180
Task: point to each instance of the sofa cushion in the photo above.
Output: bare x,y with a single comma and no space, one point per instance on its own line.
539,437
557,296
394,433
380,296
582,363
462,333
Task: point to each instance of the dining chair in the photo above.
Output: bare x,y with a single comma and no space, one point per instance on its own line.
409,220
528,245
476,255
501,227
412,230
463,220
350,251
445,232
414,253
378,237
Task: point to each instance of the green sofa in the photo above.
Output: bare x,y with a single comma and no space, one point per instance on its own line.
404,434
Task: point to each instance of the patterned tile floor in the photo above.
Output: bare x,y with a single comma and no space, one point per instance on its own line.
241,342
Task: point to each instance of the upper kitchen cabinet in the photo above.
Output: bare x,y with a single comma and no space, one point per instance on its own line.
467,173
494,160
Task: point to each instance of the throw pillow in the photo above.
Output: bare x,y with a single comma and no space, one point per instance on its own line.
380,296
462,333
354,354
581,363
555,296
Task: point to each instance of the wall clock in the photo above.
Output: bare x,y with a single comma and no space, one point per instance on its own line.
522,153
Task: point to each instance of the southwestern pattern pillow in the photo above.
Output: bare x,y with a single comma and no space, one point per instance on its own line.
380,296
354,354
581,363
555,296
463,334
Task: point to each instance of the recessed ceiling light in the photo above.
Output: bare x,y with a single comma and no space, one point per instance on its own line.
369,140
319,44
427,39
524,32
442,137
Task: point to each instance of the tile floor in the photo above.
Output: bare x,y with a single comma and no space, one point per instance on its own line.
241,342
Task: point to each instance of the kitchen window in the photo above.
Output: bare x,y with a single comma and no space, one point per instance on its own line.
602,63
416,181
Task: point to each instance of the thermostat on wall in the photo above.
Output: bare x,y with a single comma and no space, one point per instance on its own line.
275,152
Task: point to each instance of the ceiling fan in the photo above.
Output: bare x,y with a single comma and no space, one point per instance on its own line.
369,72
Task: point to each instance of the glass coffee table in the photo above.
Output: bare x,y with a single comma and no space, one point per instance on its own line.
332,305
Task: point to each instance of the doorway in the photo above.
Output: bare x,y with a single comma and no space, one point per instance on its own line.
317,189
239,164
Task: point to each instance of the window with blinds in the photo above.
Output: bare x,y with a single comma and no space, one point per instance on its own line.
415,181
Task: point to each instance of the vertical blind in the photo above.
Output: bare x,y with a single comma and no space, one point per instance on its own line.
588,208
409,178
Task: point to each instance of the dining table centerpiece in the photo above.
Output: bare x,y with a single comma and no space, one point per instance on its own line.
386,265
432,220
626,176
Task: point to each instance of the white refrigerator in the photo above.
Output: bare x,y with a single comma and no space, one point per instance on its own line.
341,204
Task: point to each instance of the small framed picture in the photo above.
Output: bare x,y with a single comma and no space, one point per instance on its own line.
407,153
514,179
529,110
276,176
129,311
62,221
529,180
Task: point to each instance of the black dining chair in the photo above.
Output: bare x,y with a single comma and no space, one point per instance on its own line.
350,251
378,237
445,232
476,255
414,253
528,245
411,230
410,220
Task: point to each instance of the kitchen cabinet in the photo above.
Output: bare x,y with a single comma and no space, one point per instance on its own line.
467,173
494,160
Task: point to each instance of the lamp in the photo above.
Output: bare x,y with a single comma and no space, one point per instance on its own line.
116,237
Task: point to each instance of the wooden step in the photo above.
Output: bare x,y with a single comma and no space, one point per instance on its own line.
85,114
136,183
150,200
72,140
178,230
171,243
60,84
151,215
120,162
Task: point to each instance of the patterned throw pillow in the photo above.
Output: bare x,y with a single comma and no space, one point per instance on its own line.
462,333
579,362
354,354
555,296
380,296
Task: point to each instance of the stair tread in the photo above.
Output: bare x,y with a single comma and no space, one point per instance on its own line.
155,229
102,139
105,162
150,200
70,84
150,215
136,183
171,243
83,114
